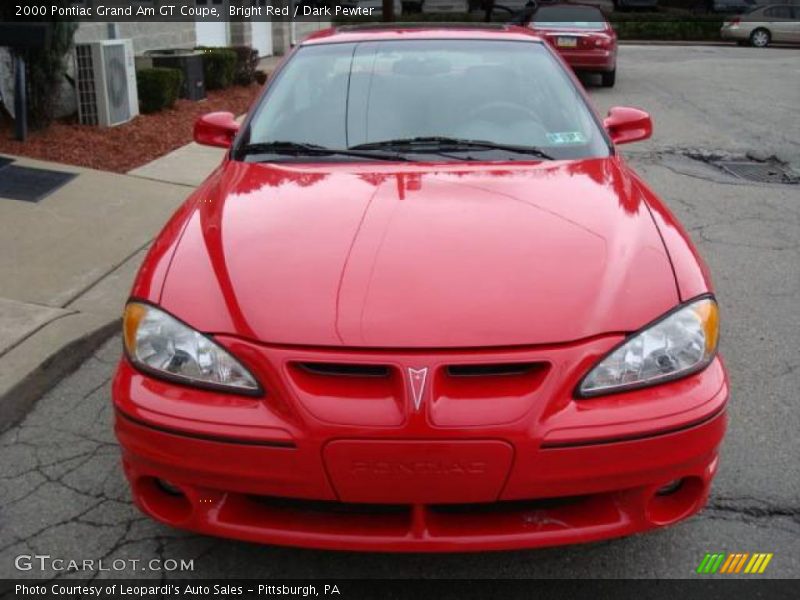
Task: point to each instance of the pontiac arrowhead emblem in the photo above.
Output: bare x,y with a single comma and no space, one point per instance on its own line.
416,380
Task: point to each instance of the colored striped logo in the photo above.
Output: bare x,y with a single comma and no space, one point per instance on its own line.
734,562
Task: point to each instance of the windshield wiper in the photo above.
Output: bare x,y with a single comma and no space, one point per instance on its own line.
442,143
307,149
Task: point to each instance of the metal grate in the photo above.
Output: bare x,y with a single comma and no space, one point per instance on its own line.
762,172
30,185
87,95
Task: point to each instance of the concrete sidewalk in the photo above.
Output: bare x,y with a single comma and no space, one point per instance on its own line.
66,267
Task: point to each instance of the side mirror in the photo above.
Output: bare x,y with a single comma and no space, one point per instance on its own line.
215,129
626,125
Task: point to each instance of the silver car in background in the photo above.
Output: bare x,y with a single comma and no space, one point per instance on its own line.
764,25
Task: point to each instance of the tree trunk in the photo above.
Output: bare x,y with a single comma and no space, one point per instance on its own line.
388,10
488,6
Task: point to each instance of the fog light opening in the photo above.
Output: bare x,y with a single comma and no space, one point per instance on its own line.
169,487
670,488
676,500
163,500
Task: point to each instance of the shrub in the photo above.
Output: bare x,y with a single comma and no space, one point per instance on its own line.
158,88
246,65
660,26
219,67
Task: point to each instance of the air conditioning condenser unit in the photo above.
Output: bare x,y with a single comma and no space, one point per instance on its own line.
106,82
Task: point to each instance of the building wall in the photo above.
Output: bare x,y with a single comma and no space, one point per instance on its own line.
240,33
145,36
282,33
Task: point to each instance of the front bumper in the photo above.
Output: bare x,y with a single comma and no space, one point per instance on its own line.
541,469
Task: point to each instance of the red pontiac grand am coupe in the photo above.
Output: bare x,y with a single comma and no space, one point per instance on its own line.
422,305
583,37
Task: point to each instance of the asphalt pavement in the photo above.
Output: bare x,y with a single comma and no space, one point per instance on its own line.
61,486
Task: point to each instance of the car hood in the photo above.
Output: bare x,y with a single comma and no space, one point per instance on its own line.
420,255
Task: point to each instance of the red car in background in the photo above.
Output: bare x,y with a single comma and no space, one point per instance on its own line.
582,35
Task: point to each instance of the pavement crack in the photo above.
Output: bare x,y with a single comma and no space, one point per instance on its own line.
100,386
750,510
32,536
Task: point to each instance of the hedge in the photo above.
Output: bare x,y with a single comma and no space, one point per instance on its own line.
158,88
246,65
690,30
666,26
219,67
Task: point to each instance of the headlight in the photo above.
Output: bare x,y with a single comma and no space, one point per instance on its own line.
682,342
159,343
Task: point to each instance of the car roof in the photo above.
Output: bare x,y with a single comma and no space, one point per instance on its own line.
411,31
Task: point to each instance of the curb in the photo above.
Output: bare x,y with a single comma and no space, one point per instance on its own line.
728,44
53,362
674,43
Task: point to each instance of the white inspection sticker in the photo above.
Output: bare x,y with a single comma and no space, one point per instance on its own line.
566,137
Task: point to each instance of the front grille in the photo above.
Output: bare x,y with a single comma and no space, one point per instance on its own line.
493,370
335,507
345,370
506,506
499,524
330,506
459,389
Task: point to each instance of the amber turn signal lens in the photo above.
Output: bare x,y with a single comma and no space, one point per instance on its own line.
708,313
130,324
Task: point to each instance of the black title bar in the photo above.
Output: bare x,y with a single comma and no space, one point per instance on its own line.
701,587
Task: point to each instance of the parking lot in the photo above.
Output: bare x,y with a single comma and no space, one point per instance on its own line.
61,487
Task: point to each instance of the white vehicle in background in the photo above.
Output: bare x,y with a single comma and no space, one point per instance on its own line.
764,25
445,6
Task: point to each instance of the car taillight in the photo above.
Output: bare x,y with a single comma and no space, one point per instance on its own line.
734,21
602,42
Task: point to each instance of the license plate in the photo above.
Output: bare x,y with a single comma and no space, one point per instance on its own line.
567,42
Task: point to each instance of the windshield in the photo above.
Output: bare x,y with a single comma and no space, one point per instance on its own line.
569,17
347,95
